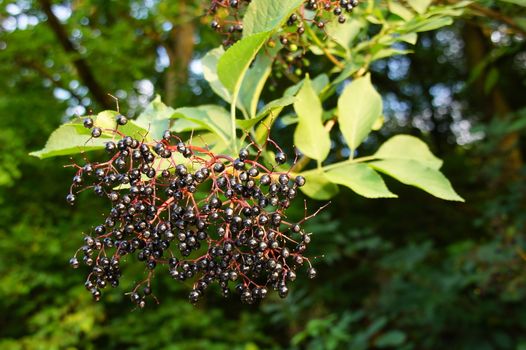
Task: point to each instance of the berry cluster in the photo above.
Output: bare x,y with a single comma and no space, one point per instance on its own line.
227,17
210,218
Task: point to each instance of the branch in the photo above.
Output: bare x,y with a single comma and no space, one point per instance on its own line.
46,74
80,63
180,49
488,12
485,11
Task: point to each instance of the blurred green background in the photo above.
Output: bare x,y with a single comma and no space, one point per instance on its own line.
410,273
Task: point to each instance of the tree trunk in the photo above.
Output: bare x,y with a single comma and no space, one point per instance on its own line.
180,50
494,103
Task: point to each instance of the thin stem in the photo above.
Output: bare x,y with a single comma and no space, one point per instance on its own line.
327,53
233,122
345,162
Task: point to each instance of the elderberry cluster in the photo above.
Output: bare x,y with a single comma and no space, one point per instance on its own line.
228,14
200,216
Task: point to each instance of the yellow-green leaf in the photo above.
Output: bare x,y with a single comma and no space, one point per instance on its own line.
361,179
310,136
408,147
359,107
318,186
413,173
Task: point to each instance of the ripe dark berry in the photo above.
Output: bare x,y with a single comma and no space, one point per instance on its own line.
300,181
95,292
280,158
110,147
88,123
243,154
71,198
122,120
265,180
193,296
96,132
74,262
135,297
283,291
283,179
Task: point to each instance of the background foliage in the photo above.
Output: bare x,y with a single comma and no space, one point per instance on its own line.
409,273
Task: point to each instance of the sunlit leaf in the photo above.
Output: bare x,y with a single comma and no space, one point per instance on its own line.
310,135
361,179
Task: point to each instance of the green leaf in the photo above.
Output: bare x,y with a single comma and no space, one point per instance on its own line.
310,135
414,173
209,62
68,140
74,138
267,15
359,107
349,69
388,52
318,186
155,118
390,339
428,24
408,147
211,117
182,124
233,65
361,179
318,84
409,38
344,33
108,120
277,104
231,69
400,10
516,2
254,81
491,79
378,123
420,6
245,124
105,120
273,107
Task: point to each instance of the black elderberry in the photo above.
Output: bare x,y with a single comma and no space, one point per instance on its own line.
96,293
280,158
96,132
71,198
283,291
110,147
243,154
122,120
74,262
88,123
265,180
300,181
239,164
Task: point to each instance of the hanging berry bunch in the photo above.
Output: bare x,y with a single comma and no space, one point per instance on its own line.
311,18
227,17
199,216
